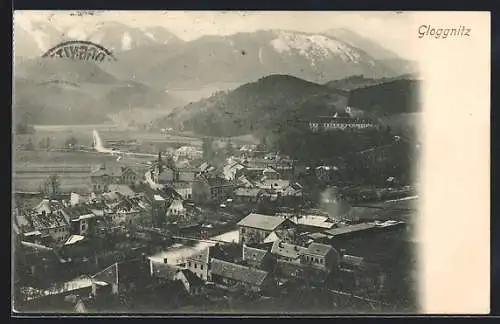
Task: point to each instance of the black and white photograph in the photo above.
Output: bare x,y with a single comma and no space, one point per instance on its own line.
210,162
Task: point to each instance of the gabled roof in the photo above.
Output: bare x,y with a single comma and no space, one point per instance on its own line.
351,260
53,220
75,212
238,272
243,181
176,204
273,237
48,206
254,256
193,279
287,250
259,221
318,249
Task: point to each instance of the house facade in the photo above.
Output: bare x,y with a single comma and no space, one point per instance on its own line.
103,176
321,256
255,228
83,221
214,190
200,265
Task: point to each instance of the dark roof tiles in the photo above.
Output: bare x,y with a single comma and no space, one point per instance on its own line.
238,272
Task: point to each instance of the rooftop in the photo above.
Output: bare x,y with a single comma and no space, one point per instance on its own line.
259,221
304,271
238,272
74,239
76,212
247,192
314,221
122,189
287,250
352,260
254,256
350,229
48,206
192,278
43,221
319,249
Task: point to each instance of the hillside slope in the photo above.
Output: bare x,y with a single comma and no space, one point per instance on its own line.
265,105
54,103
388,98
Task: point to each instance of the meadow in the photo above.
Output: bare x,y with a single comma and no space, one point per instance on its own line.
32,167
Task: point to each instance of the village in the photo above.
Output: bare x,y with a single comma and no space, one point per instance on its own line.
239,225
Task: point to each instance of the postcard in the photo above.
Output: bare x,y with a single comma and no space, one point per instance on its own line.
272,162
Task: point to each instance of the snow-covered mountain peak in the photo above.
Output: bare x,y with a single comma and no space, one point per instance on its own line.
314,46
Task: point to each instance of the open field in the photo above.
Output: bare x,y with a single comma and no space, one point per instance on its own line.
149,141
31,168
69,182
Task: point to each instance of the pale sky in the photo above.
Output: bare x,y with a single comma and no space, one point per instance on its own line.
395,31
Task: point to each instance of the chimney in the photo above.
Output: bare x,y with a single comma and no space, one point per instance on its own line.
165,260
342,252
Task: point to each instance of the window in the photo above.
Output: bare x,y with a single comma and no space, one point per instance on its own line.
195,266
321,261
242,230
201,267
189,264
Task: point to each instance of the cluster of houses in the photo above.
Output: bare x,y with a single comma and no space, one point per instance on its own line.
245,180
270,253
272,250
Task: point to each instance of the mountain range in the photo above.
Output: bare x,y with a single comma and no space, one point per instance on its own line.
155,68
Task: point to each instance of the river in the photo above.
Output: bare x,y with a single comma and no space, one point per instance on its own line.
178,252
